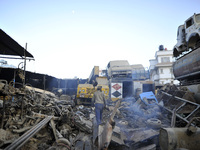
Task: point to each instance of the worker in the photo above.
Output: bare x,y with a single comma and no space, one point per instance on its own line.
99,102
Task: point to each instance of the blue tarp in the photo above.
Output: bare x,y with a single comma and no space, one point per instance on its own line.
148,98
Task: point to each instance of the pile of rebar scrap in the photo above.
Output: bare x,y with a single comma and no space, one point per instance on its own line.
32,119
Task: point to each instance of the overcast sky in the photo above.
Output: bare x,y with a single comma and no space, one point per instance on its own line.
69,37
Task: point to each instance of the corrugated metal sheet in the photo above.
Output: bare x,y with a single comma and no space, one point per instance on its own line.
8,46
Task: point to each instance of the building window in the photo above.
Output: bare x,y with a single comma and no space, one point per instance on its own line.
165,59
161,71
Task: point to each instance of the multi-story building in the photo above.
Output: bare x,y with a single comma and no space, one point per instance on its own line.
161,71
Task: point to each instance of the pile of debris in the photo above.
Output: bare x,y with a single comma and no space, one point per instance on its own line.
184,112
32,118
168,121
137,125
36,119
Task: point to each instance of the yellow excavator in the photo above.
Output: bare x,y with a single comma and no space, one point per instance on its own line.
85,91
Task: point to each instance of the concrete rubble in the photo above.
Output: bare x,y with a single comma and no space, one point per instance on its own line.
32,119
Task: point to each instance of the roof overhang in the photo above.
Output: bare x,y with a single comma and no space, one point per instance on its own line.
10,47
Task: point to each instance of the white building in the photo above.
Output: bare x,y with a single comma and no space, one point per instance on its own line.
161,71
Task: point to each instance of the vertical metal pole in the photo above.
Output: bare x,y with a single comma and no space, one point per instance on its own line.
14,83
24,65
22,109
14,78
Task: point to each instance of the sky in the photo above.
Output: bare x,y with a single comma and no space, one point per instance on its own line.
69,37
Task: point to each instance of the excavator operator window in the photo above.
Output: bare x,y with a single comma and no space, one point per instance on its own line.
189,23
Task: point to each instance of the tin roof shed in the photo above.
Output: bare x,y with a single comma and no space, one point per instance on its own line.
9,46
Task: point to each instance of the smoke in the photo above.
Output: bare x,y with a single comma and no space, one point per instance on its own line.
136,113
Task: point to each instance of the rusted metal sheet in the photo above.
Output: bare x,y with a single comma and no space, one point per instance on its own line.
117,136
106,135
141,134
187,66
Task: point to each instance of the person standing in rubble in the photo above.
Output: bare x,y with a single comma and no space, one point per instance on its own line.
99,102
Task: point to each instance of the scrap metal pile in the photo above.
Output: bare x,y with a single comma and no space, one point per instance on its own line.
137,125
168,123
36,119
180,102
32,118
184,112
